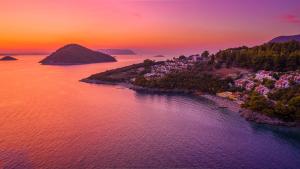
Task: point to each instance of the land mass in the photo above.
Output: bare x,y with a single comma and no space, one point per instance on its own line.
8,58
282,39
74,54
159,56
118,51
23,53
264,80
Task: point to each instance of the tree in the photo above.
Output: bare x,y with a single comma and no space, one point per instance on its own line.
294,105
205,54
148,62
282,111
182,57
269,83
258,103
269,56
141,81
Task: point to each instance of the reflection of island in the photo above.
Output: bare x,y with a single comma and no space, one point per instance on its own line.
74,54
117,51
8,58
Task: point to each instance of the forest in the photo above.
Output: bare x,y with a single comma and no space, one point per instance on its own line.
270,56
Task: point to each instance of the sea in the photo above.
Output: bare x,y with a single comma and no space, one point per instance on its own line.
51,120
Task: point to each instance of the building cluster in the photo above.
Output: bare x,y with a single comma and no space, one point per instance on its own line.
257,81
174,65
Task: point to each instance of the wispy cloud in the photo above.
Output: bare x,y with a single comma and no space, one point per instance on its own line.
290,18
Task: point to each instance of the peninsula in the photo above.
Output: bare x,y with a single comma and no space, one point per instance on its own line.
74,54
263,80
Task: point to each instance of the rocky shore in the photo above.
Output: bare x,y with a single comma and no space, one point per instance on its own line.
222,102
247,114
263,119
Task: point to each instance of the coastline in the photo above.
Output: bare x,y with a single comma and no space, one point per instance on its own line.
219,101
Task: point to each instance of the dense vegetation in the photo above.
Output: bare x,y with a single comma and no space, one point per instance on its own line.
186,81
270,56
283,104
125,73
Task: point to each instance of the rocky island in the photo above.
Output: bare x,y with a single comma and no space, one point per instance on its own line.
74,54
263,80
8,58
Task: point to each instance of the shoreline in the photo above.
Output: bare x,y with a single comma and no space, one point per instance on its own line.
220,102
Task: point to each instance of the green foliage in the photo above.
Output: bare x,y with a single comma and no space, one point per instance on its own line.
285,95
285,105
182,57
294,106
123,74
270,56
282,111
269,83
140,80
205,54
148,63
187,81
258,103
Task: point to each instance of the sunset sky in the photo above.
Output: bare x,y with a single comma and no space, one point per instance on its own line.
44,25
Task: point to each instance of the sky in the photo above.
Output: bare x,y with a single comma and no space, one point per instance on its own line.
145,25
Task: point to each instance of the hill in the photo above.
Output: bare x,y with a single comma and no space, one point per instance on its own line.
282,39
269,56
74,54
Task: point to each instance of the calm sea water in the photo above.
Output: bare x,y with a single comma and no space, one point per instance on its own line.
48,120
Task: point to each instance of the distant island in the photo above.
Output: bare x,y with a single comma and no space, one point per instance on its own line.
23,53
8,58
159,56
74,54
118,51
282,39
264,80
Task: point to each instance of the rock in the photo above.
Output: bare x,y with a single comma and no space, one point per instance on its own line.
8,58
74,54
263,119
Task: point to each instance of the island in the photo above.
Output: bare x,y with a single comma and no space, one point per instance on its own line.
74,54
8,58
159,56
118,51
264,81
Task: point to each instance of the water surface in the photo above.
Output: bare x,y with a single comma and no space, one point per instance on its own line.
48,119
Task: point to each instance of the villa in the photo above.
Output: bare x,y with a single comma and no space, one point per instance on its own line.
282,84
261,89
250,85
261,75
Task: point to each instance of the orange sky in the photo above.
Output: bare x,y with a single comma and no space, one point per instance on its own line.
144,24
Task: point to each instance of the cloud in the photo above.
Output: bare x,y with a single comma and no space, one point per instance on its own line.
290,18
